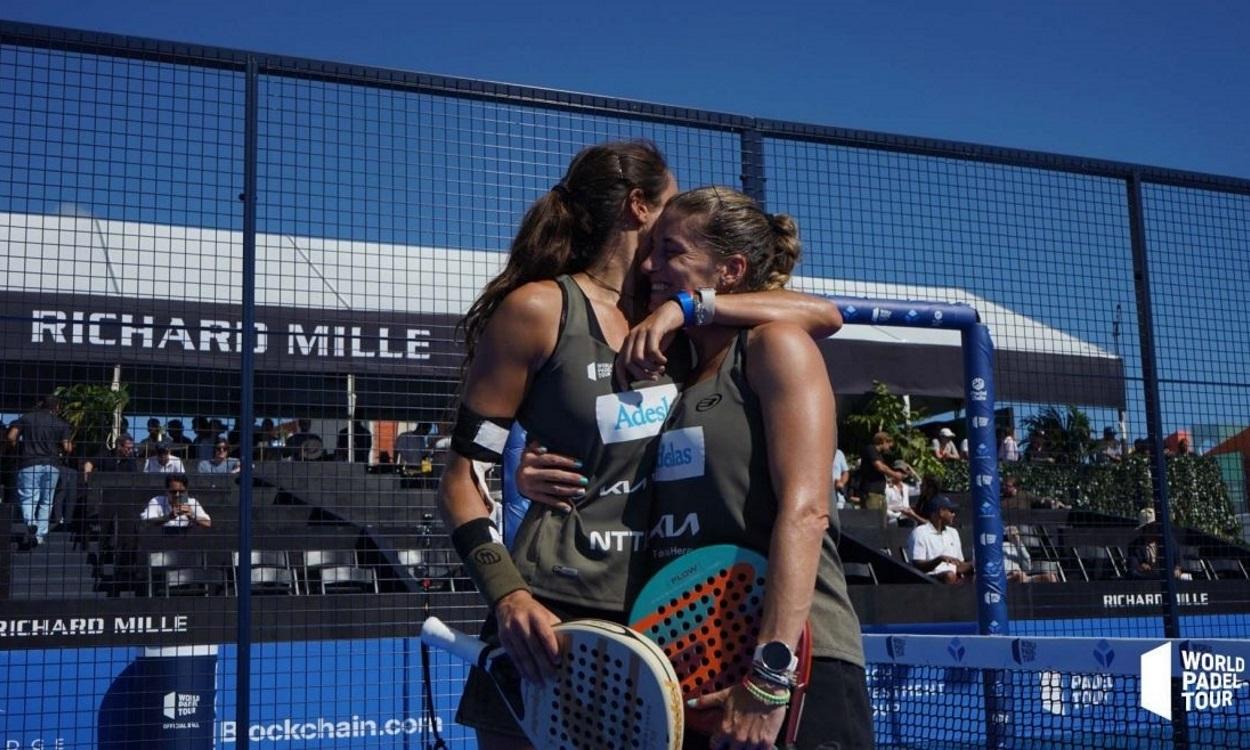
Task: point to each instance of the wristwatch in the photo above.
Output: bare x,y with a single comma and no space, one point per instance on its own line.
776,656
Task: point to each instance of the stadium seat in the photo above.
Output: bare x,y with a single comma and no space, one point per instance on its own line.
1227,569
268,581
1196,569
1096,563
317,561
191,582
436,568
1048,566
325,558
347,580
859,573
271,572
1035,541
164,564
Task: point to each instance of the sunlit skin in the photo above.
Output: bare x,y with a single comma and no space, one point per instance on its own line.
519,339
785,371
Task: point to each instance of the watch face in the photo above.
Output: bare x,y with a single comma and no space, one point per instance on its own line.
776,655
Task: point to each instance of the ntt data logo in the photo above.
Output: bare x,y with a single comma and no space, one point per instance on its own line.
1208,680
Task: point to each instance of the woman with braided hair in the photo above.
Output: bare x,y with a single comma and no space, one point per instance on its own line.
541,341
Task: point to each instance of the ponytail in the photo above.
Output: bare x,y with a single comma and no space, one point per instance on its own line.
566,229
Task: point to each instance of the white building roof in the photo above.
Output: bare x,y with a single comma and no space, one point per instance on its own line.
80,255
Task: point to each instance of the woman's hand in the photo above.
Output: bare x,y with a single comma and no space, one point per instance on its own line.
550,478
525,633
642,353
747,724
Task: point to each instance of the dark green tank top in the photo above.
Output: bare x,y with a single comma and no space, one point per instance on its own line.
713,486
593,556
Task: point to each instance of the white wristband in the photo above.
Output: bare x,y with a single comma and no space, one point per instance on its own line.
705,308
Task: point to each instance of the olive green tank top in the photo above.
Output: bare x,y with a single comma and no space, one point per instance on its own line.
593,556
713,486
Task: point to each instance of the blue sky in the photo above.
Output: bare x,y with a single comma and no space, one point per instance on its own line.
1148,82
1136,80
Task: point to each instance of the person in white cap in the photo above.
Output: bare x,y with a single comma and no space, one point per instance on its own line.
944,445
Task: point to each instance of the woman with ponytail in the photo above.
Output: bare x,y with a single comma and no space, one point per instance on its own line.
756,431
541,342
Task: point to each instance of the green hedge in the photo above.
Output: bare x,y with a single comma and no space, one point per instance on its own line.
1198,497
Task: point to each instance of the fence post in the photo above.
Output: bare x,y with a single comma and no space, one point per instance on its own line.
752,156
1154,428
247,371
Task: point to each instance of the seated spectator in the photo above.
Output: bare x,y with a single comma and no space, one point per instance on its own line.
176,509
1108,450
122,458
944,445
268,444
179,444
363,443
1008,449
898,510
1014,498
306,445
1145,552
409,448
221,462
205,441
935,547
164,462
1036,450
148,446
930,487
1018,562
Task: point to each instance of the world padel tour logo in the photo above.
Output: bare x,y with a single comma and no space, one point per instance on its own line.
1208,680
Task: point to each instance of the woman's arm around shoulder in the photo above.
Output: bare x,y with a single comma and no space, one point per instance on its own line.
642,353
817,316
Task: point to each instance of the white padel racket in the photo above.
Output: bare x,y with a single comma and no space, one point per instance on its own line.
614,690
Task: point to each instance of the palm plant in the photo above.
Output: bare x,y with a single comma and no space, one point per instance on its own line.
90,410
886,412
1062,434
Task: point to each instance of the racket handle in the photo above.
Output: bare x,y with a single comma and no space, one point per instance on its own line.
461,645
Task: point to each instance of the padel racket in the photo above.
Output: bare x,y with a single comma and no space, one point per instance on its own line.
704,610
614,689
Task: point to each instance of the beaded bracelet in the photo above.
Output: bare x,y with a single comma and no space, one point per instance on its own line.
780,679
765,696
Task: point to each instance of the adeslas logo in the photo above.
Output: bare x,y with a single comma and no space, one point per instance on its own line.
681,454
641,416
672,455
633,415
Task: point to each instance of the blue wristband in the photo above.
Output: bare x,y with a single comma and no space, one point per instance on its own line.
686,300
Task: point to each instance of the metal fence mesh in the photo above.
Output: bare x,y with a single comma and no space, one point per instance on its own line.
385,201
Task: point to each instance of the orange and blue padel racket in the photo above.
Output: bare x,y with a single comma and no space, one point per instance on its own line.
704,610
